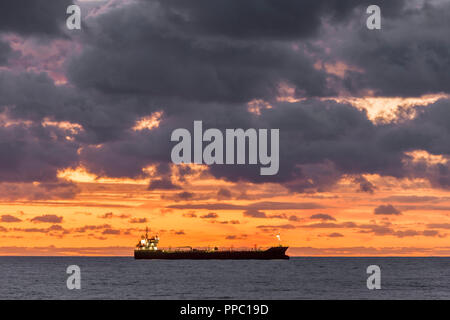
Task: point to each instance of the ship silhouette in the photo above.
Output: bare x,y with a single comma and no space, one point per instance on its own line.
147,248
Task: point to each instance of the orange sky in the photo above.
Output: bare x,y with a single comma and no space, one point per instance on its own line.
85,214
108,216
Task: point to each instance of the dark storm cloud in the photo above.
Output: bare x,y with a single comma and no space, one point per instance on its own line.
407,57
134,50
37,17
5,52
34,153
260,19
34,96
320,141
225,51
189,62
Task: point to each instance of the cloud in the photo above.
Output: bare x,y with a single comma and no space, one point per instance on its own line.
226,222
57,190
47,218
35,153
211,215
138,220
110,215
162,184
39,17
264,205
224,193
236,237
412,199
257,19
365,185
111,231
439,225
190,215
190,63
405,59
92,228
234,71
335,235
330,225
385,229
254,213
183,196
431,233
9,218
273,228
5,52
52,230
322,216
413,233
387,210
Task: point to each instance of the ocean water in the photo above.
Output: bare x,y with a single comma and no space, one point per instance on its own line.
297,278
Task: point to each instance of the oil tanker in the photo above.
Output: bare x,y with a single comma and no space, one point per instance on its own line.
147,248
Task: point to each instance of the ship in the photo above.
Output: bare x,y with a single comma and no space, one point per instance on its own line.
147,248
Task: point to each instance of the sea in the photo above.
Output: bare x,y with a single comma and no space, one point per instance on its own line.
297,278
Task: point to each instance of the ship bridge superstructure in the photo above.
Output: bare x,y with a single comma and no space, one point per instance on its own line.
147,243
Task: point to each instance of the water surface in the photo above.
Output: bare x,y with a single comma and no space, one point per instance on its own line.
297,278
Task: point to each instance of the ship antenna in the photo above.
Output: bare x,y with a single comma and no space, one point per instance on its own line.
146,232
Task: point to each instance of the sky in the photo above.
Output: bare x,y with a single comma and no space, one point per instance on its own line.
86,118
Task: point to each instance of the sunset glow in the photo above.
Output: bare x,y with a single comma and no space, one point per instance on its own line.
87,115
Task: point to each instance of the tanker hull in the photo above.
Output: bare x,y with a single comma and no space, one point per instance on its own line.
269,254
